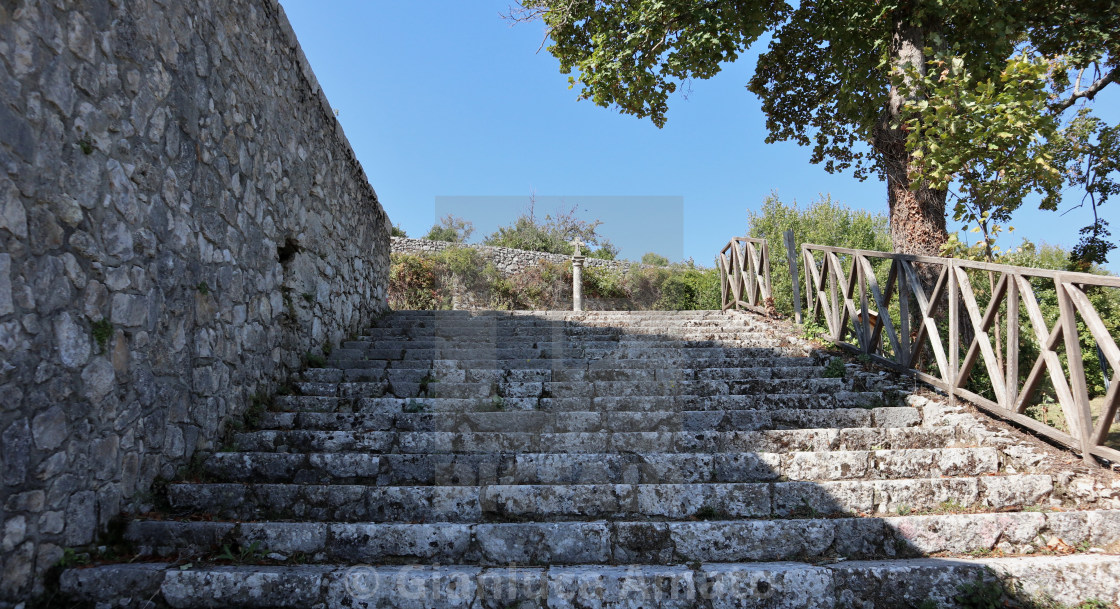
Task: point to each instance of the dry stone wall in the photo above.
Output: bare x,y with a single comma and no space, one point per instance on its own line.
508,260
181,217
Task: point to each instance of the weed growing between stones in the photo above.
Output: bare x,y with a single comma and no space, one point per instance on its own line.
86,145
814,331
203,288
193,470
289,305
314,360
258,405
414,406
101,330
239,555
981,595
73,558
865,360
426,382
498,403
834,369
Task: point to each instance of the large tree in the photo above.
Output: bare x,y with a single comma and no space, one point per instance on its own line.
847,77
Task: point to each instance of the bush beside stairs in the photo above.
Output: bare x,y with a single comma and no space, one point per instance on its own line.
612,459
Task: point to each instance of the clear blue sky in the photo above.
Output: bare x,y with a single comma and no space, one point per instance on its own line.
443,99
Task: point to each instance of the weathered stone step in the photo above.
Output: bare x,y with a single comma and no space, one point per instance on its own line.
311,377
597,468
588,421
434,385
571,361
789,585
561,332
342,358
581,317
585,318
440,388
778,441
774,401
574,344
604,542
504,332
361,503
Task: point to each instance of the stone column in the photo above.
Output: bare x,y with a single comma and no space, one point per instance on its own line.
577,283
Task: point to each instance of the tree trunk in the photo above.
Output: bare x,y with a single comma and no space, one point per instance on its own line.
917,216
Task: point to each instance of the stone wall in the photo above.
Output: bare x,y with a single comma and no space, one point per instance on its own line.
181,218
507,259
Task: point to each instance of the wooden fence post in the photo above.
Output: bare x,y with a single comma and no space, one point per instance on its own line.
792,257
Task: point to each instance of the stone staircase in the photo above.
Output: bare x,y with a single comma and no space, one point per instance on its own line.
608,459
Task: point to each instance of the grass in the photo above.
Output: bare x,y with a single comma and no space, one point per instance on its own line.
1112,440
1052,415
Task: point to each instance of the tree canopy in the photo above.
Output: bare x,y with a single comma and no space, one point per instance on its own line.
931,95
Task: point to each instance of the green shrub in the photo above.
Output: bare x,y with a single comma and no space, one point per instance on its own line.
823,222
604,283
653,259
553,235
466,264
413,284
428,282
1106,301
451,228
834,369
689,289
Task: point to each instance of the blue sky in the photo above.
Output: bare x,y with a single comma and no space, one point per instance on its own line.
443,100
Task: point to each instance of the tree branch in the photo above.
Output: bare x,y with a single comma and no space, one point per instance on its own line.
1089,91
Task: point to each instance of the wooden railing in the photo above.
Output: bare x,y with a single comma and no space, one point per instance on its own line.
744,274
867,300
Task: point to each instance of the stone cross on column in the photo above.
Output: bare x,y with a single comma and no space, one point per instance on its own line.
577,274
577,243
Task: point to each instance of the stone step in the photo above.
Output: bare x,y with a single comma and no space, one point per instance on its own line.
545,374
563,330
432,386
786,585
596,468
588,421
342,358
613,318
667,362
661,543
583,317
773,401
361,503
779,441
608,342
503,332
